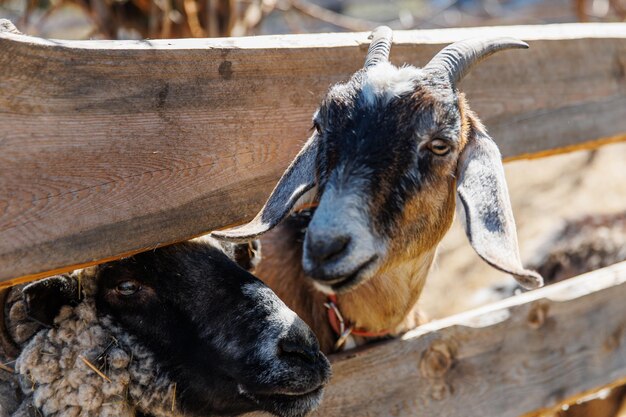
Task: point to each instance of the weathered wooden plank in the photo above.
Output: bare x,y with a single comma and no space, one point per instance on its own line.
111,147
509,358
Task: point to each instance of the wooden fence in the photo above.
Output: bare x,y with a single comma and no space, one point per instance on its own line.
524,353
112,147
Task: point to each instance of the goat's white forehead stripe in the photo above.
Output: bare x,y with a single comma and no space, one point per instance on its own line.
386,81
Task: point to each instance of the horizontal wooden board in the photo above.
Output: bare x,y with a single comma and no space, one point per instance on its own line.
112,147
525,353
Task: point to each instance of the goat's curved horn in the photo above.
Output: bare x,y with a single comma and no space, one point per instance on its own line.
456,60
379,47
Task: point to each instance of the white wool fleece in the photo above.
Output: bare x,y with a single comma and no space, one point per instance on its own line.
58,382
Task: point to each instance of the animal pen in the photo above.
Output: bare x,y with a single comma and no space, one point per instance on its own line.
109,148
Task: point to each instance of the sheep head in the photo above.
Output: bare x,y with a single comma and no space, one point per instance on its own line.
393,149
179,330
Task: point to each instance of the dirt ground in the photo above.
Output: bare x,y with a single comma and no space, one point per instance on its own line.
544,193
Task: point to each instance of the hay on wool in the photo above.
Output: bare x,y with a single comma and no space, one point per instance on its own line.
58,381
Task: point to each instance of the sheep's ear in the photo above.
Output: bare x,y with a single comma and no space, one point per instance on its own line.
486,208
295,182
247,255
44,298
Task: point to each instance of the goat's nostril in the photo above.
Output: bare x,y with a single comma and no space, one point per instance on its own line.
293,349
329,248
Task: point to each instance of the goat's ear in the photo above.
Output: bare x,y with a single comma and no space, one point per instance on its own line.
486,208
295,182
44,298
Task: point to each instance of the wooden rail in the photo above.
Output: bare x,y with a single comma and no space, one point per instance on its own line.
509,358
111,147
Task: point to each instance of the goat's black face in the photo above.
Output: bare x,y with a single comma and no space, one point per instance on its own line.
227,341
389,141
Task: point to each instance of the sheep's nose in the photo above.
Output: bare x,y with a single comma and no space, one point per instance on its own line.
300,344
325,247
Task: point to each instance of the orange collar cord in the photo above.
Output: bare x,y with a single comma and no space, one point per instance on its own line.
343,329
306,206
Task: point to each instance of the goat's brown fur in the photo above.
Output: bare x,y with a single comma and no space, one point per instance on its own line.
396,291
382,165
398,283
281,270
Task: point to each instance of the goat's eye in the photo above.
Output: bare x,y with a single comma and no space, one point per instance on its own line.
317,127
127,288
439,147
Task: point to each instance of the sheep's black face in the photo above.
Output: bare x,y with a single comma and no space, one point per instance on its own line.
226,339
389,141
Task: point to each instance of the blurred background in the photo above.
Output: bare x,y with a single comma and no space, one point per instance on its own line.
138,19
545,192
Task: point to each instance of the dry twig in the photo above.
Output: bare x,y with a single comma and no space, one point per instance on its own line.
94,368
328,16
6,368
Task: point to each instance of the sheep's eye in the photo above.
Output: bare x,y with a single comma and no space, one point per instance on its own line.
439,147
317,127
127,288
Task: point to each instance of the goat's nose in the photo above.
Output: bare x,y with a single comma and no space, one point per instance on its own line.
326,247
300,343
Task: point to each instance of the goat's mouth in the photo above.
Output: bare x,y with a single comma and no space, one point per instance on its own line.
285,403
347,282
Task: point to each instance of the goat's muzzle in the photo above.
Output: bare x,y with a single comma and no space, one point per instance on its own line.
340,250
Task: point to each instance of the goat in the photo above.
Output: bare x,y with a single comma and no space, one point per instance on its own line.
181,330
392,150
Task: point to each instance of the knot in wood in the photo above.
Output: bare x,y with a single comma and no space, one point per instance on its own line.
226,70
440,391
615,339
436,360
537,315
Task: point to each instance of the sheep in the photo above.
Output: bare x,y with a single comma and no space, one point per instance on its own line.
575,247
180,330
352,227
582,245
